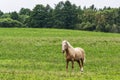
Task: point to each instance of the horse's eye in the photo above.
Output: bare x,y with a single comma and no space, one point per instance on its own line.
65,46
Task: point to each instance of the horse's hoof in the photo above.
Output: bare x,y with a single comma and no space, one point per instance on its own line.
81,70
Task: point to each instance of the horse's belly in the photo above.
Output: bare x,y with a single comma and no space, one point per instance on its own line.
77,58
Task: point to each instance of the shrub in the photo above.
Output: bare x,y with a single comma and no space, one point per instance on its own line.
8,23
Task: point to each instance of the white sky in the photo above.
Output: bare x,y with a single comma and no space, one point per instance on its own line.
16,5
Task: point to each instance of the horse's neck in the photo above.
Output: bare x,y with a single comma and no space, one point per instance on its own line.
69,46
70,50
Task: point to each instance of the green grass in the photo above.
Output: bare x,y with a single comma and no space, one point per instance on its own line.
35,54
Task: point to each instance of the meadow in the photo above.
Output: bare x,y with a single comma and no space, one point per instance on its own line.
35,54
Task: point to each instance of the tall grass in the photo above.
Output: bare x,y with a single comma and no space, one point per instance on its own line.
35,54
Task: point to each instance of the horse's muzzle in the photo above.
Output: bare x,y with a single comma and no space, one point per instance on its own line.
63,51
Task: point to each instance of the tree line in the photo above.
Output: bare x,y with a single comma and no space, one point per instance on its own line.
64,15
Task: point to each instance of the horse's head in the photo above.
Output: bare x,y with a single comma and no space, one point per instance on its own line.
64,46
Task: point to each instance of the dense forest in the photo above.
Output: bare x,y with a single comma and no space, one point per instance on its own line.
64,15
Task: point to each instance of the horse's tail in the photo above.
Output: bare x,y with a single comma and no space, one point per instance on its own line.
84,59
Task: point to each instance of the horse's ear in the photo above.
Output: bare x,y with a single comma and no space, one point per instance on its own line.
67,43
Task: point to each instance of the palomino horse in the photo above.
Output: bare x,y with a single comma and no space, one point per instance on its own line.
73,54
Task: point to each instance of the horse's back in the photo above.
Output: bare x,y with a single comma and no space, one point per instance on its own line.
80,53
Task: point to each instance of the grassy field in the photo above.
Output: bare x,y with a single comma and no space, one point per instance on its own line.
35,54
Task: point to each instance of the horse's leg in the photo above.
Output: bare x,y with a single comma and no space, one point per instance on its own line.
79,64
72,65
67,65
82,65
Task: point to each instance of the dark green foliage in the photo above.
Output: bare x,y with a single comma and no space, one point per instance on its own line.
40,17
23,19
14,16
5,15
25,11
8,23
70,15
1,13
66,15
58,15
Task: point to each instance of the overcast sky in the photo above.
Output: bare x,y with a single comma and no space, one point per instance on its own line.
16,5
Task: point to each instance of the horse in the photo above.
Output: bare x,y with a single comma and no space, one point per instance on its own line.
73,54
